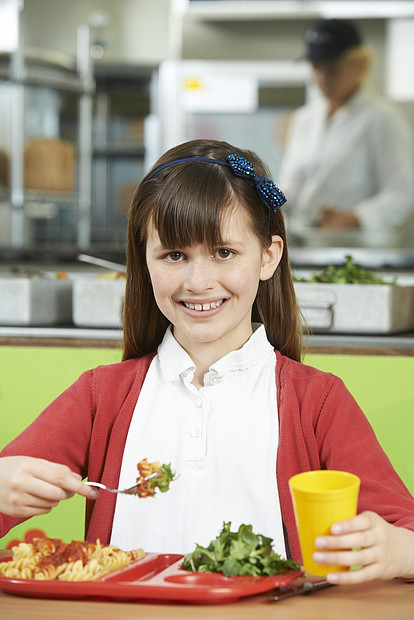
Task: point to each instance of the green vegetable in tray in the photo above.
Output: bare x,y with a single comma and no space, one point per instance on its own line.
238,553
348,274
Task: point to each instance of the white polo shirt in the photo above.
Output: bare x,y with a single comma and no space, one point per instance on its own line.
221,440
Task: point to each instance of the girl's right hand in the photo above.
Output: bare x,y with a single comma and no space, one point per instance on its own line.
31,486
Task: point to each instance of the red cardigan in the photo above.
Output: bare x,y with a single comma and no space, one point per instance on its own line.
321,427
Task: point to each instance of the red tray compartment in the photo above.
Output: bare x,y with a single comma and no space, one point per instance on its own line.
157,577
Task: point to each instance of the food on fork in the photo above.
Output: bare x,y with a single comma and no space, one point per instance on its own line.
152,476
53,559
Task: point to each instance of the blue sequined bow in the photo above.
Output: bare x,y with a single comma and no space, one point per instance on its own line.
271,195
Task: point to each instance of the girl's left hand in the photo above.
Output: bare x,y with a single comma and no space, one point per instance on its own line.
382,550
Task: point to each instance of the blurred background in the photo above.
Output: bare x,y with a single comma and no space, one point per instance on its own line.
93,91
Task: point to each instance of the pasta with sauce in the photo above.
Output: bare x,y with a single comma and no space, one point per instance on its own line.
51,558
152,476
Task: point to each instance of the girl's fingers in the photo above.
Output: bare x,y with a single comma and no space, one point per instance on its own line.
41,498
363,521
71,482
348,541
349,577
37,485
30,486
360,531
358,557
86,491
41,491
64,486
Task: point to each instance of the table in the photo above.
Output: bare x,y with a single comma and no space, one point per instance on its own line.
379,600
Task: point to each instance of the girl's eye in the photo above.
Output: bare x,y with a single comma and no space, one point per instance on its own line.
173,257
224,254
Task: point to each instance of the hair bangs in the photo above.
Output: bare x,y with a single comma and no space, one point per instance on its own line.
190,205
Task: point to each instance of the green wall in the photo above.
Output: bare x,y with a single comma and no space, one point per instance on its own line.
31,377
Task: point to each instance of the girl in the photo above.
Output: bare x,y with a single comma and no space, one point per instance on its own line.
211,381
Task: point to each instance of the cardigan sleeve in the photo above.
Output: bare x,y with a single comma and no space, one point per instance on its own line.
85,428
348,442
60,434
323,427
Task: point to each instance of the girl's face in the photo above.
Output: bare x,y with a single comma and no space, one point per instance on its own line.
208,296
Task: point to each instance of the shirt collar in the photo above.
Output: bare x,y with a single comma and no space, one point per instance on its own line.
175,361
250,354
173,358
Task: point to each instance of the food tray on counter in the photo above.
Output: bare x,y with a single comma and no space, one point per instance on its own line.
356,308
157,577
26,301
98,303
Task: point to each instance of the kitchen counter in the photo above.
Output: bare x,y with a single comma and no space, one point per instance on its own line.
72,336
66,336
359,344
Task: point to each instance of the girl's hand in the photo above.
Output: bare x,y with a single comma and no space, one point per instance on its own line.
31,486
382,550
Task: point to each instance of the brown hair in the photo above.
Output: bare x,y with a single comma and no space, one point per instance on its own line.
186,202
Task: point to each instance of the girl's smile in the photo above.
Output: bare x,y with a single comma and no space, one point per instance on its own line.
208,294
203,306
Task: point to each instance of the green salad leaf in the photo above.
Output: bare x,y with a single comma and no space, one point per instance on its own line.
238,553
347,274
163,479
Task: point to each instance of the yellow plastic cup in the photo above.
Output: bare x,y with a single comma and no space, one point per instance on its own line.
320,499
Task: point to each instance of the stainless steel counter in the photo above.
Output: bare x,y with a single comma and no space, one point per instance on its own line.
392,344
69,333
357,342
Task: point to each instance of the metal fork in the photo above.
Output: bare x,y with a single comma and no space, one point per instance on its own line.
129,491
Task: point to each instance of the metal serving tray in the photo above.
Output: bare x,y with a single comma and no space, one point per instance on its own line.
27,301
98,303
356,308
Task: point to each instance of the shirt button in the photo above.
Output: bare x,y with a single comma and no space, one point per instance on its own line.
198,403
215,379
194,433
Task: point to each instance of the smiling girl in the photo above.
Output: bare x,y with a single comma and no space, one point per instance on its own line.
211,381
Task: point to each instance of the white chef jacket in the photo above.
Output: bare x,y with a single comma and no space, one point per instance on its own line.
221,440
359,160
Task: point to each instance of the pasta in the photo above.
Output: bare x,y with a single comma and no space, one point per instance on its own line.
145,484
51,558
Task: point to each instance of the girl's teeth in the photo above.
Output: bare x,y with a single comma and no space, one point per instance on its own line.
213,304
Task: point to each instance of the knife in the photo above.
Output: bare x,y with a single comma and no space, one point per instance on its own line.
305,588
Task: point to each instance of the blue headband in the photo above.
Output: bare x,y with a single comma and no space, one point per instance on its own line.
271,195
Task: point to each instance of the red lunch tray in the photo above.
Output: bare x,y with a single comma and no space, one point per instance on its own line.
155,577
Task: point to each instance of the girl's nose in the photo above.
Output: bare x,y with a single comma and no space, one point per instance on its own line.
199,276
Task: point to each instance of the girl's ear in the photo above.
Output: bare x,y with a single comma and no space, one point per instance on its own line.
271,258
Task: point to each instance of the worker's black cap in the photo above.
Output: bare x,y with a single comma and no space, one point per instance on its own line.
327,39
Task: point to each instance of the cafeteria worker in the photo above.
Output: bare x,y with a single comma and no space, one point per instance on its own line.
348,161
